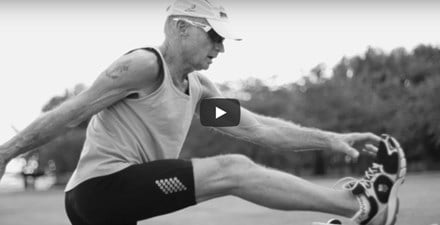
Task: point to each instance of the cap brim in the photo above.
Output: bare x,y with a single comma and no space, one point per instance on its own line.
223,28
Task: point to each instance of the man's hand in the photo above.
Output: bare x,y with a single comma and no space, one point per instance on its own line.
352,143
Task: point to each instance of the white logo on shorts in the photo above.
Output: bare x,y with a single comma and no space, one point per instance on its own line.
170,185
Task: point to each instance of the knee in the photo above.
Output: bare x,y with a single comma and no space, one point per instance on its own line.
220,175
234,162
235,167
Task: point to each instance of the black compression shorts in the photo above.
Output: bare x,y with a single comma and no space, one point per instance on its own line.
135,193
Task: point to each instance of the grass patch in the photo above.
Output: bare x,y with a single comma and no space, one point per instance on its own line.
420,204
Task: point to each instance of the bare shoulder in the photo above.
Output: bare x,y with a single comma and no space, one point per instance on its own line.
135,70
210,90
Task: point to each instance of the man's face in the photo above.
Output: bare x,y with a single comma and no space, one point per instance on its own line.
202,47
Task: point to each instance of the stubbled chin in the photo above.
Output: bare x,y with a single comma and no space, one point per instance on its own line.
208,63
204,66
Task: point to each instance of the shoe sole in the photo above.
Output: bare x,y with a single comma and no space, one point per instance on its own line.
393,200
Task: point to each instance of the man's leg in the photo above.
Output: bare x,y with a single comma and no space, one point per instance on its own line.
239,176
369,200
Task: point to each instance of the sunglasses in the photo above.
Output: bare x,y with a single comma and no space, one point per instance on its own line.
214,36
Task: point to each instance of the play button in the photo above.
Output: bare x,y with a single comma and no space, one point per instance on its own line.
220,112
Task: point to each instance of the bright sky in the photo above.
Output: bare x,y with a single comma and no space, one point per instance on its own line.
47,45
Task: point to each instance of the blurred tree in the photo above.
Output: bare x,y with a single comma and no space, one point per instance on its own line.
64,151
399,90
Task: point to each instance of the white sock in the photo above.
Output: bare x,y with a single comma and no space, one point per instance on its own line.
364,209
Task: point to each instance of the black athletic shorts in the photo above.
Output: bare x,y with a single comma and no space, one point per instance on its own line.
135,193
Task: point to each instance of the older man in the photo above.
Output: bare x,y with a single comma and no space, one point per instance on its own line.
142,106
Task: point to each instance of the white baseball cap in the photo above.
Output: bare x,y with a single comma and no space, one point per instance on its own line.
211,10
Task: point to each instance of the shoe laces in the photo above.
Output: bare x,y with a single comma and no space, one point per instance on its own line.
366,180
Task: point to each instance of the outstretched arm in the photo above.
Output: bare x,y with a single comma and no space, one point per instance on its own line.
130,72
282,134
285,135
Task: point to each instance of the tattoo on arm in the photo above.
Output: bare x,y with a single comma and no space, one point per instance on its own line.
117,70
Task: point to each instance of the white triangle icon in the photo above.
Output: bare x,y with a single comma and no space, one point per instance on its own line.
219,112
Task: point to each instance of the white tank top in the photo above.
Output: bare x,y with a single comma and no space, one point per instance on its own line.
134,131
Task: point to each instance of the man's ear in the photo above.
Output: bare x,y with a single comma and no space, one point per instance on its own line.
182,27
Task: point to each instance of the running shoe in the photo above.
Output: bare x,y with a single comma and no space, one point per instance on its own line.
376,191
